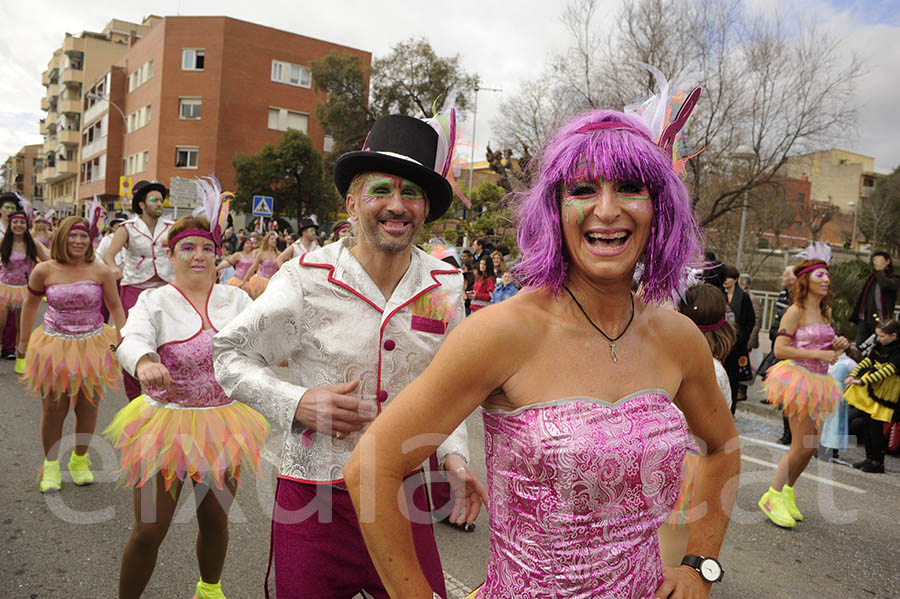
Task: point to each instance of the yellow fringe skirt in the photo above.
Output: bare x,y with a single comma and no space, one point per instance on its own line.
801,392
204,444
12,296
256,285
63,367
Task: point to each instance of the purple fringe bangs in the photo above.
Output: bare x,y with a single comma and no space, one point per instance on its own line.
613,154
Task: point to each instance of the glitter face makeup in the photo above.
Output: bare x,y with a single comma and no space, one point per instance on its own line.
380,187
582,192
186,249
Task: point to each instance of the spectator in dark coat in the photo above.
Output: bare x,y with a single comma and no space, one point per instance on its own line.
744,320
878,297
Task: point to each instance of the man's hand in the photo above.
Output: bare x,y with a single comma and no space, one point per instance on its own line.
682,582
468,492
330,411
153,374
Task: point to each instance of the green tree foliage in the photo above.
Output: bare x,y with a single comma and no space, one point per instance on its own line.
292,173
345,114
879,214
413,80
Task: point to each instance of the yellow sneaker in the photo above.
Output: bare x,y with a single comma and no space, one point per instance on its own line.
772,504
51,480
788,494
20,366
80,469
209,591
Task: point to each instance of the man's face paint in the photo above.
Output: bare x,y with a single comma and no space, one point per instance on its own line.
583,192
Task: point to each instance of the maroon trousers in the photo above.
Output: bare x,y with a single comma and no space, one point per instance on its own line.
9,333
317,550
129,296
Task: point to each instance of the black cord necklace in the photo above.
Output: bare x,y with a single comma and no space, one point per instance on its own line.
612,342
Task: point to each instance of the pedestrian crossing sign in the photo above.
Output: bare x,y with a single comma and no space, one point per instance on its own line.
262,205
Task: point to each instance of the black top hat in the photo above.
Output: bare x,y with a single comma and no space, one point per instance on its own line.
118,217
141,189
403,146
306,223
9,196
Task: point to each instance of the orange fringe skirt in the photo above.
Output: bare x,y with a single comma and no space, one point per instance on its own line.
63,367
256,285
206,445
800,392
12,296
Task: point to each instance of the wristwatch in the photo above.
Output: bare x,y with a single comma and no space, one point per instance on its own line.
709,567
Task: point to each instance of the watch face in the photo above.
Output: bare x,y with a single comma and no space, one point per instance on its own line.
710,570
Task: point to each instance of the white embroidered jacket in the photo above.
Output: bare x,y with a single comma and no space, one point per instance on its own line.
324,314
163,315
145,255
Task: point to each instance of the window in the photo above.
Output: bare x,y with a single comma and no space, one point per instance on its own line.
189,108
186,157
292,74
140,76
282,119
192,59
139,118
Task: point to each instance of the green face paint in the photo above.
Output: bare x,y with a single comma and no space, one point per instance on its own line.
411,191
187,248
582,192
377,188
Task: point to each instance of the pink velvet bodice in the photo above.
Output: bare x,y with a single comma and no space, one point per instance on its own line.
267,268
578,489
16,271
74,308
190,365
242,266
813,336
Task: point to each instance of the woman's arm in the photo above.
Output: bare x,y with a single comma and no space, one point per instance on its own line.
790,322
111,296
226,262
709,420
31,305
286,255
43,254
410,429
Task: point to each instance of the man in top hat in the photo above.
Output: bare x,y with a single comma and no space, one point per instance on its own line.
306,241
146,265
357,321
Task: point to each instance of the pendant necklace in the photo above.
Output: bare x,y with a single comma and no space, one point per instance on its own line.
612,342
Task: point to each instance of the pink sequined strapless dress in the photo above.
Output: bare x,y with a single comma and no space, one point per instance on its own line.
240,269
190,430
72,352
578,489
258,282
13,280
803,387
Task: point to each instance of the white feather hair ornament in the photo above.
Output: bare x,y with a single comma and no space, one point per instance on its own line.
816,251
216,204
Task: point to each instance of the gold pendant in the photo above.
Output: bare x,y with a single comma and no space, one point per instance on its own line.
612,352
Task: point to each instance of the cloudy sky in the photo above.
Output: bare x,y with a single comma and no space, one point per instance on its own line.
504,43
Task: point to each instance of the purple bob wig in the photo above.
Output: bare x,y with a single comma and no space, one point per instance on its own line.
611,153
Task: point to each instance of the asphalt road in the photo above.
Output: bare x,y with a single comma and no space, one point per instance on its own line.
68,546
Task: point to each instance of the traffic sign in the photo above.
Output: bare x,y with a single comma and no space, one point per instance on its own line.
262,205
125,187
183,193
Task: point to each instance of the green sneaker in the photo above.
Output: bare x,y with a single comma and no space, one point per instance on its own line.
788,494
80,469
209,591
51,480
19,368
772,504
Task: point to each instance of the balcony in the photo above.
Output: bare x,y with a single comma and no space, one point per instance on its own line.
92,113
45,103
866,191
70,106
45,78
66,168
44,129
73,44
47,173
95,147
72,77
52,90
69,136
50,144
51,117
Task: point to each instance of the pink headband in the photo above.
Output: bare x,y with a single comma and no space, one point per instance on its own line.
194,233
612,125
811,268
711,327
19,217
80,227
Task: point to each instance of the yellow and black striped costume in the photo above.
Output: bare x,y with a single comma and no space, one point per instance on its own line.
880,374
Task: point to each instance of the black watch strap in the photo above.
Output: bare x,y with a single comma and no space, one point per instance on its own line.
692,560
714,568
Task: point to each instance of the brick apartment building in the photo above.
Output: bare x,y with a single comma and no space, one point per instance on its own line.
195,91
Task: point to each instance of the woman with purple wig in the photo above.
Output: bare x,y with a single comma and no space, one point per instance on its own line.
589,396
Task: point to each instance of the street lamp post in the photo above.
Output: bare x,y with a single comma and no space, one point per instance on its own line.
474,120
855,206
743,153
106,99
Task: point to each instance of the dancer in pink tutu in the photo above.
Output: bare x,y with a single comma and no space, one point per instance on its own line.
241,260
589,395
68,360
800,383
184,429
265,264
